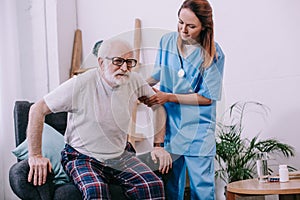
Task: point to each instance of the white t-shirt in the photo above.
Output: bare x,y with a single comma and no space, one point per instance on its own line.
99,115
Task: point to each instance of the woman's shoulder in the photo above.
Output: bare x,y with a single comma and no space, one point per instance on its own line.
168,40
219,50
169,36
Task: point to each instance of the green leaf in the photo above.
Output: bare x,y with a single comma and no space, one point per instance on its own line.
236,155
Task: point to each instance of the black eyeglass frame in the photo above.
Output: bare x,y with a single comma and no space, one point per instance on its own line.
122,60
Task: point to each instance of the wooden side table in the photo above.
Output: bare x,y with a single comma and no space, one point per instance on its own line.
251,187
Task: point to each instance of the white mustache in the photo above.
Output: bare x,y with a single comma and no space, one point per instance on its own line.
119,72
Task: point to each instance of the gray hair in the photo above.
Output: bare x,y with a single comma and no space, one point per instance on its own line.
108,45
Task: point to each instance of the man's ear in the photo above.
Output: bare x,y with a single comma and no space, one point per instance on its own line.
100,62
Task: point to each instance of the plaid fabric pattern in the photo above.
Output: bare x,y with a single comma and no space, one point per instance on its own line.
92,176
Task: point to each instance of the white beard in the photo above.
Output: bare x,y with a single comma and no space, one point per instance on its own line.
114,80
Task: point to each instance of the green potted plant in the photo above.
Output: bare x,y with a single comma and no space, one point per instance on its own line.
236,155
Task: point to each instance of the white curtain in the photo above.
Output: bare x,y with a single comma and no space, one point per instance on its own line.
23,71
9,89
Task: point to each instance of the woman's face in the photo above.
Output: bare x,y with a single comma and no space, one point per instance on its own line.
189,26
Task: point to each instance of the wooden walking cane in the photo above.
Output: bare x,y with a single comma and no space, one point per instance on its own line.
137,42
133,136
77,53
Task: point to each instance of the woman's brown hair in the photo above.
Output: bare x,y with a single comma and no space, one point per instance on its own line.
203,11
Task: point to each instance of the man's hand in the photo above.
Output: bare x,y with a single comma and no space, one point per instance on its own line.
39,167
164,158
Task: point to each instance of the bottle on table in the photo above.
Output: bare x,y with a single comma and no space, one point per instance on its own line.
283,173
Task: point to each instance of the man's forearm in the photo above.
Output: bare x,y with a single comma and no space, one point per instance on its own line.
37,115
159,120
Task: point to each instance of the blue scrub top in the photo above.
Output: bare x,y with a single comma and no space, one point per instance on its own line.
190,128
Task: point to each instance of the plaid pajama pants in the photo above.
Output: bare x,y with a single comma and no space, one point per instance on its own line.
92,176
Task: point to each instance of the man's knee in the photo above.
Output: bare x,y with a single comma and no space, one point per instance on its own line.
153,189
95,190
18,179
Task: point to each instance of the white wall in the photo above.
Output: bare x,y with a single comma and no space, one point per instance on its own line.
8,78
260,39
60,25
105,19
23,71
66,26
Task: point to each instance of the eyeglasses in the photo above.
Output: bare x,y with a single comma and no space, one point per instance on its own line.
120,61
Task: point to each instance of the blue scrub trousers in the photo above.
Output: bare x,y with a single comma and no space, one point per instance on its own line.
201,174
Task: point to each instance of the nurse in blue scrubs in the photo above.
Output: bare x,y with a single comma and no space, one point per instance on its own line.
189,67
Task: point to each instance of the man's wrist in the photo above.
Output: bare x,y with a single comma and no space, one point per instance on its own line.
158,144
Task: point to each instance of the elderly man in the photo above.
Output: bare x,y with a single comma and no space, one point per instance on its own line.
99,104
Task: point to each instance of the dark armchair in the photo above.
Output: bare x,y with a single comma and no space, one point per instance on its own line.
19,171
